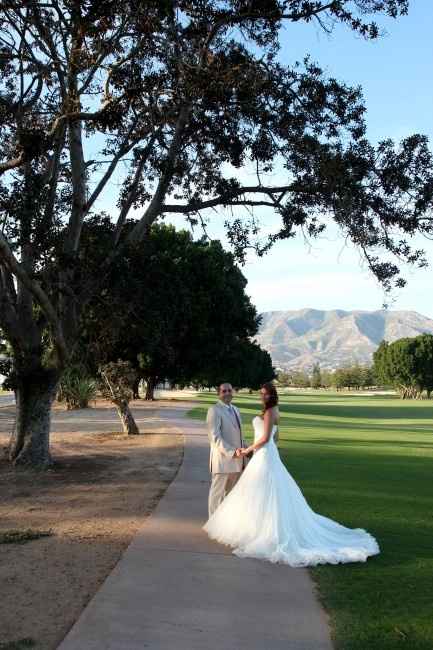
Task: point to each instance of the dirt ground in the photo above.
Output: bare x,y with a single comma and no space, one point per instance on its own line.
98,494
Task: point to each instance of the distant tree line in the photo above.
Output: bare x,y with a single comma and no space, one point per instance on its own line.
405,365
351,377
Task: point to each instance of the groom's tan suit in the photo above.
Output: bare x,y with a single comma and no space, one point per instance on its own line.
225,436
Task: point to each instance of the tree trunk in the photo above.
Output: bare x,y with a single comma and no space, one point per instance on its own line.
128,423
150,388
30,441
136,389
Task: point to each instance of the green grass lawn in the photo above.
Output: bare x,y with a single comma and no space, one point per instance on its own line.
366,462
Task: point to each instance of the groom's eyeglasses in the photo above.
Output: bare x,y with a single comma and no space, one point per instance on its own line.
226,390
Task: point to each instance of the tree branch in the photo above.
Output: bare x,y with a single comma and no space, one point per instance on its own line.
12,164
8,314
229,199
155,205
123,150
133,189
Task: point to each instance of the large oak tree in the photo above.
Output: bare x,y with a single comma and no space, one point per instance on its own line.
174,93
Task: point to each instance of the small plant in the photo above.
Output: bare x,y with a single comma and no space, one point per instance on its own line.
20,644
22,536
77,389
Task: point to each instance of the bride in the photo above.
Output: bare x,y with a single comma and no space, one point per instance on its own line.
266,515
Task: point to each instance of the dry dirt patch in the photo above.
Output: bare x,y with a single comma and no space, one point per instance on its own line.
95,498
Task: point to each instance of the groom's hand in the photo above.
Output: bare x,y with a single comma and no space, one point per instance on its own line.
237,453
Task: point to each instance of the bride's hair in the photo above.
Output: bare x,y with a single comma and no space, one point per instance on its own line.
273,396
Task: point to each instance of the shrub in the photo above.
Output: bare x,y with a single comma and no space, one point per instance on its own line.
77,389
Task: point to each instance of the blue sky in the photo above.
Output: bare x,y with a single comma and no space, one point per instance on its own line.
396,74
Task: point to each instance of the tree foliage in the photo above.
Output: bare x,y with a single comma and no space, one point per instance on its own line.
245,365
175,308
295,378
355,376
316,377
406,364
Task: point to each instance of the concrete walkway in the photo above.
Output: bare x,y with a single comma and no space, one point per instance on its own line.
175,589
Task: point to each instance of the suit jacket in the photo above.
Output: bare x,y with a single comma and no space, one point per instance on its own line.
224,438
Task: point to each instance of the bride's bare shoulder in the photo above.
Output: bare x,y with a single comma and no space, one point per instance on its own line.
272,414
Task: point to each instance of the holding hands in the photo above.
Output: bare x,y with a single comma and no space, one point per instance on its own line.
241,451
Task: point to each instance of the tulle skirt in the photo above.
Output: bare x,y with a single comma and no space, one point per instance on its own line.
266,516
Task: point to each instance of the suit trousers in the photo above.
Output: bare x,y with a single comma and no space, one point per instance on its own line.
221,484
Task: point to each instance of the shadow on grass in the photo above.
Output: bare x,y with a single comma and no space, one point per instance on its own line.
306,424
358,411
338,407
335,443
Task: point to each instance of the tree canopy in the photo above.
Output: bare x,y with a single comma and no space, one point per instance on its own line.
175,308
406,364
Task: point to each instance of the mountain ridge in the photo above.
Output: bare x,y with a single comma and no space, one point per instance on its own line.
297,339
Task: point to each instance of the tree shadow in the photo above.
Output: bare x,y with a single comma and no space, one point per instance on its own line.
357,442
359,411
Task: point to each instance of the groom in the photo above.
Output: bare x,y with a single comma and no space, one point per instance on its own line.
226,441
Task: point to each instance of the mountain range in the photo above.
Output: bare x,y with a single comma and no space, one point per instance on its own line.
297,339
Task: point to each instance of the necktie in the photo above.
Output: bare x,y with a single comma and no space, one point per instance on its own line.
238,424
234,416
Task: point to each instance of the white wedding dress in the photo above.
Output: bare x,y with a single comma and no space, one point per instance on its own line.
266,516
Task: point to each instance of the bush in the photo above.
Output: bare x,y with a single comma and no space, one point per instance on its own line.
76,388
21,536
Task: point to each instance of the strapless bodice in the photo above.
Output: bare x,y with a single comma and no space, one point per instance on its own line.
258,428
